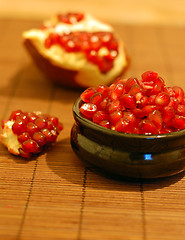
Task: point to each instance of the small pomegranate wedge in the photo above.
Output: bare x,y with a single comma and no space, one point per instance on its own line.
25,133
77,50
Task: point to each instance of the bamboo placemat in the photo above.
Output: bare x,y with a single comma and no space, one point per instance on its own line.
56,196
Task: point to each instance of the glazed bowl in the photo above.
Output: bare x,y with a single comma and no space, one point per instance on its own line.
124,154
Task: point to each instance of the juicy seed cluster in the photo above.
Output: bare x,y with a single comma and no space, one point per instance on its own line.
34,130
70,18
99,48
140,106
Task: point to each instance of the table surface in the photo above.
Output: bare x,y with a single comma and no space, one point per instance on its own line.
55,196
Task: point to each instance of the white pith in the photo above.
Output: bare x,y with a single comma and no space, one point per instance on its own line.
9,139
88,73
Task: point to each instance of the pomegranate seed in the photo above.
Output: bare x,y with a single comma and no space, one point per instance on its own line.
147,127
156,118
31,128
18,127
15,114
87,94
105,123
168,114
100,116
128,101
114,105
162,99
39,138
88,109
96,98
115,117
129,83
179,122
23,137
30,146
179,93
181,110
149,76
122,126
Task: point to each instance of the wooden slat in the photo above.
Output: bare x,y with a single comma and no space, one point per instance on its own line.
56,196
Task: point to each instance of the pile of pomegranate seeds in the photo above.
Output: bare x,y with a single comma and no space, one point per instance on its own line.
70,18
99,48
33,130
139,106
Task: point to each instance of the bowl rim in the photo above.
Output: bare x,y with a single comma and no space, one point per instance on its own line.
96,127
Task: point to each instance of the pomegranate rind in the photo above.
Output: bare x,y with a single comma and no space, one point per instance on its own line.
9,139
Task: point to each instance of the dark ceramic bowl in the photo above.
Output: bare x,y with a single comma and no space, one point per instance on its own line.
127,155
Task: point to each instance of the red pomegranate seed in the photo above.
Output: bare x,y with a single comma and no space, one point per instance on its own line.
156,118
87,94
179,93
88,109
179,122
181,110
96,98
162,99
30,146
31,128
105,123
114,105
23,137
129,83
115,117
128,101
117,92
168,114
147,127
40,123
122,126
100,116
18,127
15,114
149,76
39,138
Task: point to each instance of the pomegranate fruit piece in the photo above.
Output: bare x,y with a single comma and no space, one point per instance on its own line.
138,106
26,133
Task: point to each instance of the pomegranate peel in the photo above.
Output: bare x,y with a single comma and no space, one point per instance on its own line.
25,133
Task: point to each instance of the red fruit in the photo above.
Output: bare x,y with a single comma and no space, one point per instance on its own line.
156,118
168,114
129,83
115,117
88,109
162,99
179,122
26,132
105,123
179,93
115,105
18,127
87,94
181,110
149,76
100,116
147,127
30,146
128,101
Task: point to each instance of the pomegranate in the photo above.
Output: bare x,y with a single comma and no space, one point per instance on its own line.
140,106
75,49
26,133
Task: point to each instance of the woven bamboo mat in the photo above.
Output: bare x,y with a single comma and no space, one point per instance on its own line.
55,196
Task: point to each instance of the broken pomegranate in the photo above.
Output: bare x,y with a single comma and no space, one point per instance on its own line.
26,133
75,49
141,106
